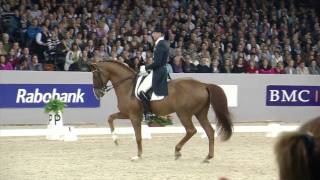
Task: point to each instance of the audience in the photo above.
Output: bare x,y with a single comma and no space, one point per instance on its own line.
229,34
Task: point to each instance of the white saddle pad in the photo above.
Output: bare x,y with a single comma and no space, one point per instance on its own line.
140,80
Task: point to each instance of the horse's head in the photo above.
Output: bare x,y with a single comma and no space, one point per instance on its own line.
100,80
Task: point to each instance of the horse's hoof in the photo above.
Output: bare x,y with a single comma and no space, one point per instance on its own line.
177,155
115,138
206,161
116,142
135,158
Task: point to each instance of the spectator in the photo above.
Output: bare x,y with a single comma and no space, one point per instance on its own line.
252,68
12,58
189,67
72,56
215,66
314,68
265,67
287,31
290,69
204,66
41,44
239,66
227,67
279,69
177,64
32,31
5,65
5,42
2,49
35,65
302,69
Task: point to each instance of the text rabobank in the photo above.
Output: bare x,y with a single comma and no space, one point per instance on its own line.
36,95
285,95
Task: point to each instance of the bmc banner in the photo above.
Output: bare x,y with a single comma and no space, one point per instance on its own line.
293,95
36,95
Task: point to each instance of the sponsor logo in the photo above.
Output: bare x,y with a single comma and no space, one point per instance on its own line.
293,95
37,95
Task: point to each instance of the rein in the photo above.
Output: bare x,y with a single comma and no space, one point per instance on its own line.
106,88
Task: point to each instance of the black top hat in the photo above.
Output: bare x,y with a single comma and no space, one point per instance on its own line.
158,28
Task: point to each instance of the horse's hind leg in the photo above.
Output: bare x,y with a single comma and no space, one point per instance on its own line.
111,118
186,121
204,122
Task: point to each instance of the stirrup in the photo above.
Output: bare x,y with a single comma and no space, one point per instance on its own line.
147,117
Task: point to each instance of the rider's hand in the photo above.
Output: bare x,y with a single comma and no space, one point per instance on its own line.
143,71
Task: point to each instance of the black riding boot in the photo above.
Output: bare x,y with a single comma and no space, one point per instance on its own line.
146,106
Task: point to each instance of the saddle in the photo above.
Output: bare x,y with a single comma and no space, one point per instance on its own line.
150,93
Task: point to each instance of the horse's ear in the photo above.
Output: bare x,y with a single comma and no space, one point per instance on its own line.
93,67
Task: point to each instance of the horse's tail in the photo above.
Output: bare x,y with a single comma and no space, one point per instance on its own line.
219,104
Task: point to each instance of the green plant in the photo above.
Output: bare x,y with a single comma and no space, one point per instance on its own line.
55,105
160,121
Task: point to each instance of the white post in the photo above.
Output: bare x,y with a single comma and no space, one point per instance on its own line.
55,127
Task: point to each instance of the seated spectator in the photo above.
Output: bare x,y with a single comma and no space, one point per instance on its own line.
23,66
72,56
5,65
5,42
102,29
204,66
279,69
239,66
216,66
298,153
187,66
252,68
302,69
35,65
25,55
177,64
227,67
290,69
265,67
276,58
12,58
2,49
314,68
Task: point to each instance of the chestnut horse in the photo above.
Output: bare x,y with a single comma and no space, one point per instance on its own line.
187,97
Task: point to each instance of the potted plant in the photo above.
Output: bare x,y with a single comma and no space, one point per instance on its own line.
55,108
159,121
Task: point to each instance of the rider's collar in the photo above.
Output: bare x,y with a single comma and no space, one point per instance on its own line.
159,39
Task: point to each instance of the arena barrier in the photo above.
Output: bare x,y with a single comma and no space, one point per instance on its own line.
252,97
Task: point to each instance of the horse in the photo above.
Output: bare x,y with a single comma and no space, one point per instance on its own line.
187,97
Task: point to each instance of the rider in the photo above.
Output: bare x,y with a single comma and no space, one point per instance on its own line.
157,78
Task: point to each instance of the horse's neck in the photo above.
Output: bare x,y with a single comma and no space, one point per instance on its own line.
122,87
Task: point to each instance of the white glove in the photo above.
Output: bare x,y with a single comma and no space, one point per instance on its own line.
143,71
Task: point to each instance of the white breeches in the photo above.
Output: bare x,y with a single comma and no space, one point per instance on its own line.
146,84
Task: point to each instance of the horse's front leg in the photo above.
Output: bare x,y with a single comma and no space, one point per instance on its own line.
136,123
111,118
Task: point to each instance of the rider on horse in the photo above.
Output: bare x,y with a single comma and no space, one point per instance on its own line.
157,76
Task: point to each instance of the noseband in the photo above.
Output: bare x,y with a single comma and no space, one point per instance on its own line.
106,88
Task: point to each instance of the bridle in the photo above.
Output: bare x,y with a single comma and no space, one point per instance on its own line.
106,88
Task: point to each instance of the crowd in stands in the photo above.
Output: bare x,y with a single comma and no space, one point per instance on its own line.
218,36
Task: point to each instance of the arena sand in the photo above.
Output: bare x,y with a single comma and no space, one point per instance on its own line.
247,156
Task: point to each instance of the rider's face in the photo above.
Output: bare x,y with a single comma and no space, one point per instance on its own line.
156,35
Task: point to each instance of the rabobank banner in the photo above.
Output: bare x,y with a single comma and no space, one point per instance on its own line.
37,95
293,95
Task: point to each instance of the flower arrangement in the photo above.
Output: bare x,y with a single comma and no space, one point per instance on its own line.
159,121
55,105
